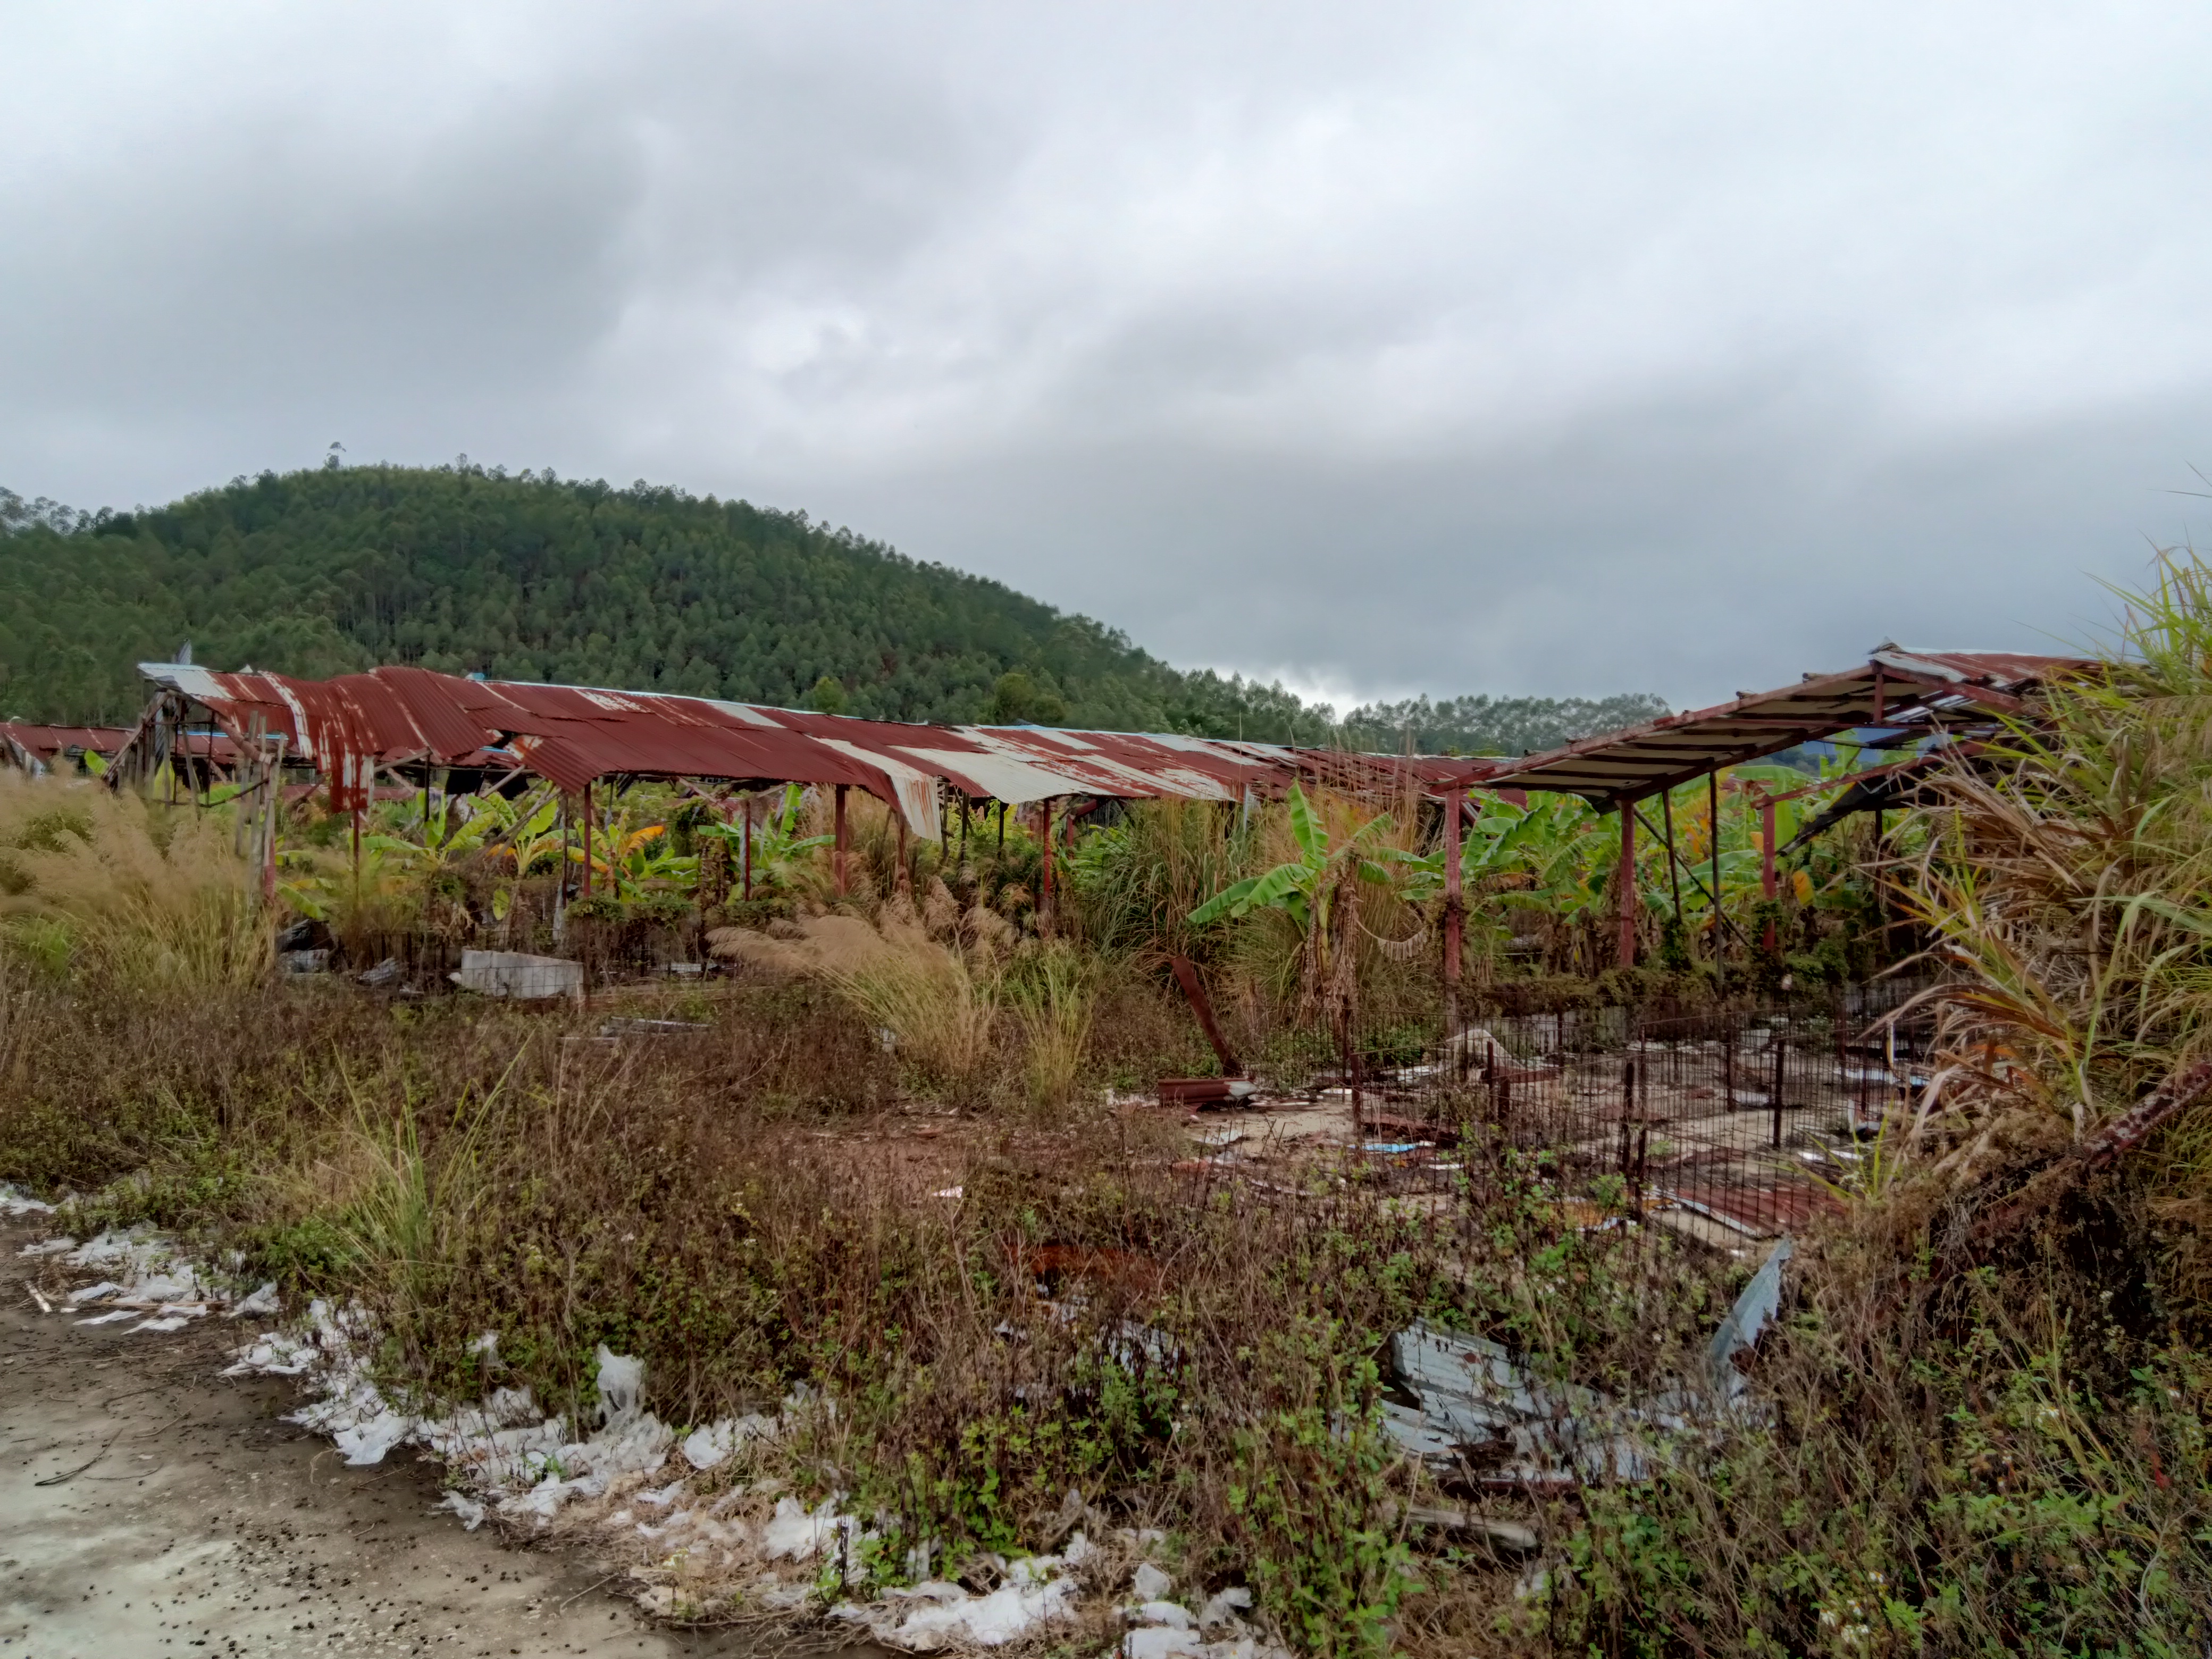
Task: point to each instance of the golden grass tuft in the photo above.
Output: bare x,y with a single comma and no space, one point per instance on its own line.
144,897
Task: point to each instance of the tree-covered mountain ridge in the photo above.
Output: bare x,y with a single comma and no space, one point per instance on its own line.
526,576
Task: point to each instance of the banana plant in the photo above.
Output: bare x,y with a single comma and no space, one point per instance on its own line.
529,838
456,828
777,847
1319,891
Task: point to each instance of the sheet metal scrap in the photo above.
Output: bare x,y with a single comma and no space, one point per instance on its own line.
1482,1407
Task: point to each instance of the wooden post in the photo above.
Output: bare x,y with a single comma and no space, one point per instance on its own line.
904,881
271,823
587,836
746,846
1455,912
1627,884
838,844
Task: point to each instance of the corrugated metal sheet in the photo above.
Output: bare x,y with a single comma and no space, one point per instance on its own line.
1895,687
350,726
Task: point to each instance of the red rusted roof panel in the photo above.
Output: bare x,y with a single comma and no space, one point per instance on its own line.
45,742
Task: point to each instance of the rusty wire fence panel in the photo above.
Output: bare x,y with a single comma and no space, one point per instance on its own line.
1727,1126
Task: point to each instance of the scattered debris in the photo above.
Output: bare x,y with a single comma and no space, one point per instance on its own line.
652,1028
13,1203
1205,1090
386,972
516,975
708,1447
509,1461
1499,1534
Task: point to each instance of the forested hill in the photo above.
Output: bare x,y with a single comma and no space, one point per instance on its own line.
527,577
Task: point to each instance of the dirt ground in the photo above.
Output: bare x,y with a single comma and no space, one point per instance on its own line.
150,1507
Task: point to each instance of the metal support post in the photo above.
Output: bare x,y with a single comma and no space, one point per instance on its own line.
1044,848
1713,825
1781,1060
1626,883
1673,875
1455,912
1769,888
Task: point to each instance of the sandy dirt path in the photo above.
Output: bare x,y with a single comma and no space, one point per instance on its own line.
150,1507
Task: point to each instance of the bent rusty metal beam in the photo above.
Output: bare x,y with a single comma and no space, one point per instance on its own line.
1711,893
1186,976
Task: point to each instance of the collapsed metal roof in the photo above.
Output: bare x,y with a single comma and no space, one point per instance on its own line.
1900,690
32,746
349,727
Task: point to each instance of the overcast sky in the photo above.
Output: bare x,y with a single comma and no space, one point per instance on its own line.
1555,347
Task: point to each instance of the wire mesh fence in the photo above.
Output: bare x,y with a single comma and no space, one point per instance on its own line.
1727,1126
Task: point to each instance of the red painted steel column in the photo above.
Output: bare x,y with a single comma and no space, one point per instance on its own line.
1768,887
837,844
1454,911
1627,884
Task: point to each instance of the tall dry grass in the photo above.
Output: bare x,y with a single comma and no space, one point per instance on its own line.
935,1002
1053,1002
2067,878
145,898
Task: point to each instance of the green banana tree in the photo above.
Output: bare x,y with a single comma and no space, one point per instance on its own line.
778,849
1319,891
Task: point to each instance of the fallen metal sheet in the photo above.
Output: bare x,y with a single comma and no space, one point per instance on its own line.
1481,1404
1745,1322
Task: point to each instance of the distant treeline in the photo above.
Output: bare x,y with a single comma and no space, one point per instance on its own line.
1493,726
528,577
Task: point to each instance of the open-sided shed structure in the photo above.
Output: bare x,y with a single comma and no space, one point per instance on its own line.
1902,697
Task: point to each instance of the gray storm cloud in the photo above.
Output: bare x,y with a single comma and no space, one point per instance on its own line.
1561,349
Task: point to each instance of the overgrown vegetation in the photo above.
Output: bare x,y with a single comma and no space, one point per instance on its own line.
882,1164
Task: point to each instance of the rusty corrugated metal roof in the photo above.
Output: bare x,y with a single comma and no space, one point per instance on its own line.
1894,688
350,724
45,743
